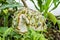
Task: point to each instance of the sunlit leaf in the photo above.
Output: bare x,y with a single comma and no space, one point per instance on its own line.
5,11
47,5
52,18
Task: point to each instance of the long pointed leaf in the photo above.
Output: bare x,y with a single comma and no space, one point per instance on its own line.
9,6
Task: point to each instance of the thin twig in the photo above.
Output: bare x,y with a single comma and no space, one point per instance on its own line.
24,3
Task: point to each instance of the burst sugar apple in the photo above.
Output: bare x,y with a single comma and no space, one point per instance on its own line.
27,18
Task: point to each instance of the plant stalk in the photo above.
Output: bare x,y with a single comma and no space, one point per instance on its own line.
24,3
5,20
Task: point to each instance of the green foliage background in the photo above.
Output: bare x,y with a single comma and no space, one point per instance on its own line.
7,9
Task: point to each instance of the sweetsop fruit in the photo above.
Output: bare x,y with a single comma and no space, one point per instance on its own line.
26,18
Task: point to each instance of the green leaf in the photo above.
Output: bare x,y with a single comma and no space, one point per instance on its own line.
55,6
44,5
58,22
42,37
35,5
5,11
55,2
8,31
3,29
10,1
7,1
39,2
9,6
0,38
1,0
52,18
47,5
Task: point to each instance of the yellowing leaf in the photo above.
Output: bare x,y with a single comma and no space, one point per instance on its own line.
5,11
52,18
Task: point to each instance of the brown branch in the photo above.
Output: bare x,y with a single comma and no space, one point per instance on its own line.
24,3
